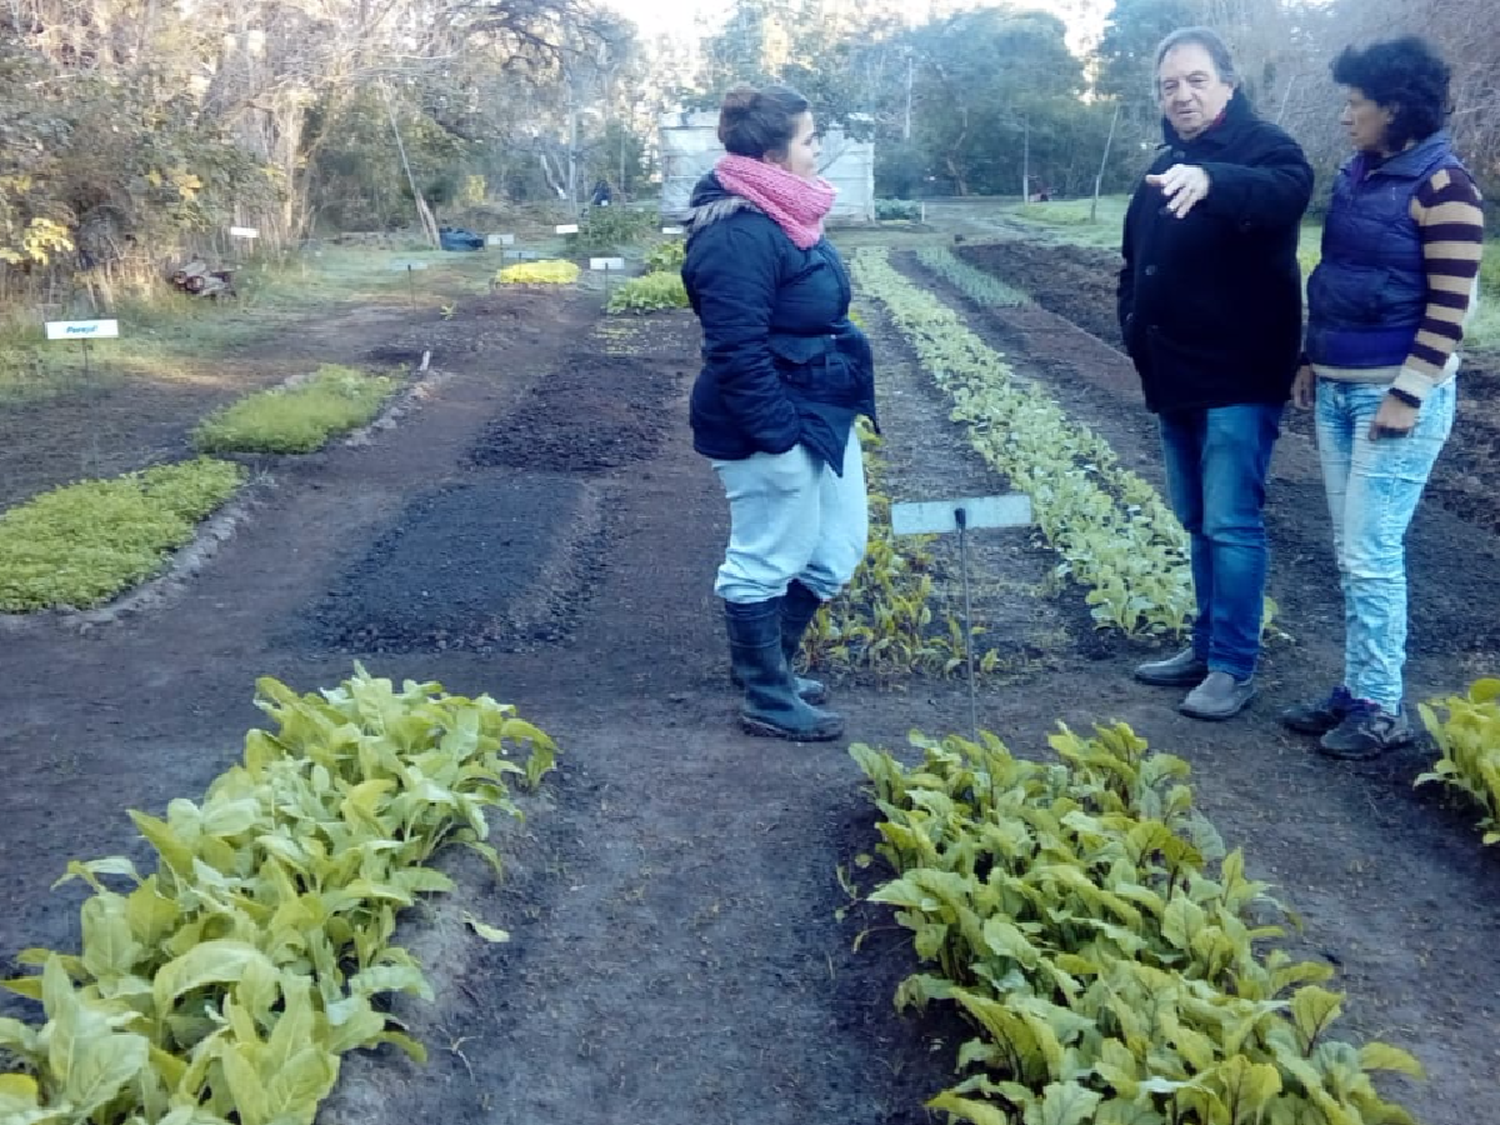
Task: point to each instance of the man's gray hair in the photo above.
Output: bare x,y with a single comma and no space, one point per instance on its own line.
1203,37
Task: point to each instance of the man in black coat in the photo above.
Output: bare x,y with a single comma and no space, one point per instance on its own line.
1210,303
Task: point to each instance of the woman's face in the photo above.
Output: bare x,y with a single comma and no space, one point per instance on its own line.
801,157
1366,121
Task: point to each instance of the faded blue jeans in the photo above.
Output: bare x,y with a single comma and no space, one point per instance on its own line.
1217,460
1373,488
791,516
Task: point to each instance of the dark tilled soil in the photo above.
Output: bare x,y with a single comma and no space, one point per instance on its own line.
675,955
1078,284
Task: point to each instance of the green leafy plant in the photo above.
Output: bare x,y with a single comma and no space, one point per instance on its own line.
1084,918
1468,737
609,230
1115,535
80,545
885,621
666,257
225,985
296,418
973,283
897,209
650,292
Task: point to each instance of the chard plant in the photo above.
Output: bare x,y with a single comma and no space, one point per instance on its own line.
885,621
1085,919
1115,535
224,985
1468,739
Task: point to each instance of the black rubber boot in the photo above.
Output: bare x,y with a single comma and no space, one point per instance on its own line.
771,706
798,609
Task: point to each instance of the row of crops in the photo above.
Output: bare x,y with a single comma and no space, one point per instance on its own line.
225,985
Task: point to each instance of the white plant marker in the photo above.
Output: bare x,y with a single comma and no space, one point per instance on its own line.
411,266
672,230
500,240
83,331
244,232
938,517
609,266
568,228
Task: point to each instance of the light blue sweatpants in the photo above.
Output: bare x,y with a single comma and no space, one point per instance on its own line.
792,517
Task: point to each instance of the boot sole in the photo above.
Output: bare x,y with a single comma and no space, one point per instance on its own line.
1179,679
1316,730
1364,754
768,730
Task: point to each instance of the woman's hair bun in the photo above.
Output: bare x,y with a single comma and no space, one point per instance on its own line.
739,100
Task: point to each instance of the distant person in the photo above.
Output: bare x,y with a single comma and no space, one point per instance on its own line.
1386,312
785,374
1210,305
603,194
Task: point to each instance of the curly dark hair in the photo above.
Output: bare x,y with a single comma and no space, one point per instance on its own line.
1404,75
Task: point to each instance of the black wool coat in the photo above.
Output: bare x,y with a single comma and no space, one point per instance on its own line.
1210,305
782,362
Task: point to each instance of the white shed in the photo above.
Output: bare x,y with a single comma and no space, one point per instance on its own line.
690,146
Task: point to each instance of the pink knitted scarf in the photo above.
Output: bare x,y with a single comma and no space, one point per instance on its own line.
797,205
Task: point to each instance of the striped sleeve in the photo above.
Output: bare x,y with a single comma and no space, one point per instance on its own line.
1448,212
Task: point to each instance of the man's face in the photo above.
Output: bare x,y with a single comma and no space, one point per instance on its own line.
1190,91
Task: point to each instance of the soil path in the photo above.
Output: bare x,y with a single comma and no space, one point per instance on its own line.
540,530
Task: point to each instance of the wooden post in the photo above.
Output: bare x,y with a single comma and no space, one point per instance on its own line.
1103,164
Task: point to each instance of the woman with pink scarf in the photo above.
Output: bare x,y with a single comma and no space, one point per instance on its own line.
785,374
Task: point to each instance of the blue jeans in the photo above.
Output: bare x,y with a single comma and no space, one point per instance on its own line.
1373,488
1216,461
791,516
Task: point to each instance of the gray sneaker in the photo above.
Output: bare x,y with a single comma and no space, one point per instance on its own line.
1368,730
1219,696
1186,669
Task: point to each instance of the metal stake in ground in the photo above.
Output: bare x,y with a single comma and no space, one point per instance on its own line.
608,265
937,517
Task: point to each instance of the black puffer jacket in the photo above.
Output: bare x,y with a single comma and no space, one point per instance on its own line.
1211,305
782,363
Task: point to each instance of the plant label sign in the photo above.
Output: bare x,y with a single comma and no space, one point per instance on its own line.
500,240
82,329
568,228
409,265
521,255
939,517
606,263
671,230
244,232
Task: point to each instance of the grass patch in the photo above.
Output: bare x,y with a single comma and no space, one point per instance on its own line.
298,418
82,544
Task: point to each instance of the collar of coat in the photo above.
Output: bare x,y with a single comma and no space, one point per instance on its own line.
1222,133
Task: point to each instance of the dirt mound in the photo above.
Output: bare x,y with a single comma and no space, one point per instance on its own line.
495,565
594,412
1076,282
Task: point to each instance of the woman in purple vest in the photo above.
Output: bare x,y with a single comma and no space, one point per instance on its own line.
1386,312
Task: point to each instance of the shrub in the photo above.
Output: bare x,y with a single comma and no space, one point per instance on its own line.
80,545
666,256
649,293
890,209
609,230
296,419
553,271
